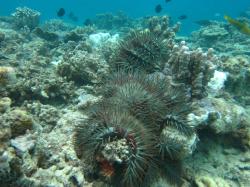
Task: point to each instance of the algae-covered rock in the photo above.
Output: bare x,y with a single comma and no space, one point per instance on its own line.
238,81
214,32
243,133
5,103
208,181
46,35
19,121
46,115
2,36
7,75
73,36
83,67
230,118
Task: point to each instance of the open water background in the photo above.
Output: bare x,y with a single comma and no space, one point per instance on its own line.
83,9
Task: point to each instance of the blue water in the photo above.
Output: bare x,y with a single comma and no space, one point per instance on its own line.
194,9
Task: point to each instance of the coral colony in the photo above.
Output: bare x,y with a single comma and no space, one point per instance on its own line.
83,106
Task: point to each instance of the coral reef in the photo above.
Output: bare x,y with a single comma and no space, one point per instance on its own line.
222,37
45,85
20,122
57,25
71,116
50,36
237,83
5,103
82,67
159,25
235,58
7,75
206,181
26,17
192,67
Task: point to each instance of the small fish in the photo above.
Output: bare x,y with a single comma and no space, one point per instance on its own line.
182,17
241,26
158,8
61,12
167,1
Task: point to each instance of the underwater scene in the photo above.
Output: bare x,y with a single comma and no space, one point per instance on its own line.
152,93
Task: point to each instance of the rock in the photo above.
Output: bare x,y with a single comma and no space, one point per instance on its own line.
231,116
49,36
86,100
207,181
19,121
72,36
7,75
23,144
5,103
214,32
2,37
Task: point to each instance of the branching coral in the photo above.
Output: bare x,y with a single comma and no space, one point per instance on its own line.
26,17
192,67
133,120
159,25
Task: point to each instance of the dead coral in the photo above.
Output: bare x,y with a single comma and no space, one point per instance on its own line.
5,103
237,83
39,83
7,75
46,115
49,36
82,67
20,121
